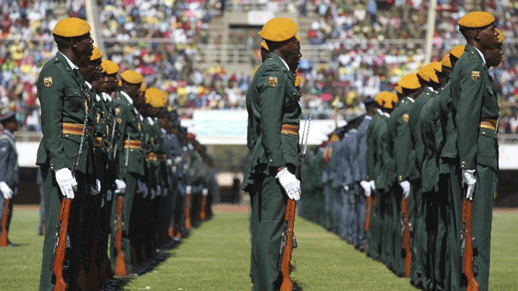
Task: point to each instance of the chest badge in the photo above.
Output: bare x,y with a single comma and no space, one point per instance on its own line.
406,117
47,81
475,75
273,82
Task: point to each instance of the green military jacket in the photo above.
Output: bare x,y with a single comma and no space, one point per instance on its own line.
64,98
398,138
128,127
429,127
150,149
473,100
447,142
415,131
271,101
384,166
371,148
161,171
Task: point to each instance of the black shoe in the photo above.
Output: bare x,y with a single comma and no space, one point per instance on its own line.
296,286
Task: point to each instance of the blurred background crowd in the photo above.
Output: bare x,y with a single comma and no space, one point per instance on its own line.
370,45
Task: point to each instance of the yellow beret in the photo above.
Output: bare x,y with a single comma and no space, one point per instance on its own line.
132,77
476,19
437,66
389,99
410,82
109,67
334,137
143,87
155,97
71,27
119,83
428,73
399,89
297,37
264,45
379,98
501,36
457,51
96,54
279,29
298,81
446,61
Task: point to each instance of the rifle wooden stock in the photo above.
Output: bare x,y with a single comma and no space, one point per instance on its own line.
368,203
187,211
120,261
289,218
203,213
59,256
472,284
406,236
3,238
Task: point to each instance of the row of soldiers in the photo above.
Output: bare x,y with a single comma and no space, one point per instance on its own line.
135,180
397,181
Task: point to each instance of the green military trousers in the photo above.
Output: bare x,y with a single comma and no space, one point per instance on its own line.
76,226
268,209
131,188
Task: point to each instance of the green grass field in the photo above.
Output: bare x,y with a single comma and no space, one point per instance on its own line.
216,257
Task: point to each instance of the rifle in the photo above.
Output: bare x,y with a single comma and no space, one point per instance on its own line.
120,261
469,244
368,203
187,211
3,238
287,237
62,227
406,236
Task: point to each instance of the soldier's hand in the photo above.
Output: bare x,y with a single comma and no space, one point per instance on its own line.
366,188
188,190
97,188
6,190
152,192
205,192
373,184
290,184
120,187
346,188
468,178
165,191
405,185
67,183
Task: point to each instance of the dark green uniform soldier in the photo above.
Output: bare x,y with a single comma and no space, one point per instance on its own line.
273,123
399,147
475,114
129,156
65,167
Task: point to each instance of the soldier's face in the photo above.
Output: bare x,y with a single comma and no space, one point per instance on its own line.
488,37
291,52
83,45
494,56
111,82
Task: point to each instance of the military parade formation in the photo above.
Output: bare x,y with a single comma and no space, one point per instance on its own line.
412,181
122,180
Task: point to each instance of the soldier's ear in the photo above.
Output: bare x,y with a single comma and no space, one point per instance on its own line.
476,35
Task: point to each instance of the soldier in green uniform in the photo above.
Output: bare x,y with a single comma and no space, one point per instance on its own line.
430,84
92,73
399,147
129,157
65,102
475,114
273,122
446,146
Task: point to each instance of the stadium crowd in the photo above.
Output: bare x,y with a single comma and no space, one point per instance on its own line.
364,40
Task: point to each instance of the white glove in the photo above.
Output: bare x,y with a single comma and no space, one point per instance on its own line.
188,190
158,190
165,191
109,195
152,191
405,185
468,178
67,183
366,188
346,188
120,187
6,191
205,192
373,185
97,189
143,189
290,184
